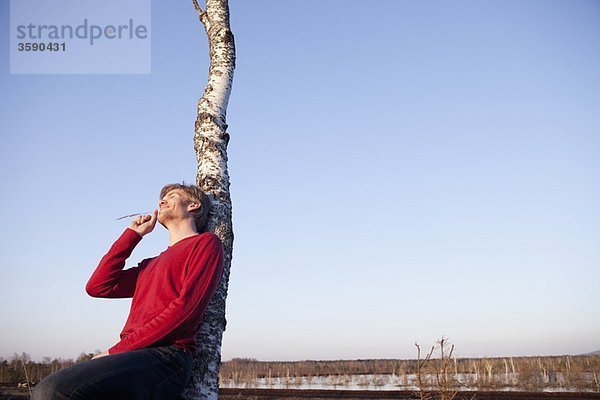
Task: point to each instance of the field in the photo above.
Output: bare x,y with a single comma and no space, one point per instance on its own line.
291,394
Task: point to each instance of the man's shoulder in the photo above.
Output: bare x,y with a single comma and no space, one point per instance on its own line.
208,238
206,244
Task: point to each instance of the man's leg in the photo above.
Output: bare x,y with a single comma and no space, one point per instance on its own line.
154,373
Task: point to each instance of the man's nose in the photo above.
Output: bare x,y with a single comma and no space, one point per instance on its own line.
161,202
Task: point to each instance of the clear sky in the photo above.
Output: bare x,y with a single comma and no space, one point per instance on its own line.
400,170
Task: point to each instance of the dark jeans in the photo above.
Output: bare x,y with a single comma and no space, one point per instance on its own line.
153,373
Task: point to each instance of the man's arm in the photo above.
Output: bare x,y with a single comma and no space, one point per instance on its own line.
198,288
109,279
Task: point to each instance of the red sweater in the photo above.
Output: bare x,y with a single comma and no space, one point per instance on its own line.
170,291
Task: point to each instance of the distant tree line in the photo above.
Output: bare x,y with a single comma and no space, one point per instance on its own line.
20,368
262,369
531,373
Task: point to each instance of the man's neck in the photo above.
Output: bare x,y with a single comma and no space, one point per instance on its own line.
181,230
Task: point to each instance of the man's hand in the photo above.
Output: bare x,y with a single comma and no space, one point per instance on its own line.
144,224
104,353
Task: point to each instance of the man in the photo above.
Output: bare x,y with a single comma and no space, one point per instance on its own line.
170,294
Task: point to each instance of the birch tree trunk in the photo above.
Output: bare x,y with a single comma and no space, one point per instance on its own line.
210,143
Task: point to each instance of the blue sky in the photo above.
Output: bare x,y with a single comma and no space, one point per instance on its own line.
400,170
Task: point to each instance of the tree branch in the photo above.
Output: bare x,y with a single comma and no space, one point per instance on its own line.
203,15
197,7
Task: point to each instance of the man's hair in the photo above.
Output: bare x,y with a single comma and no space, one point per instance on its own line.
196,194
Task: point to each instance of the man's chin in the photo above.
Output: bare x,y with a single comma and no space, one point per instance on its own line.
163,220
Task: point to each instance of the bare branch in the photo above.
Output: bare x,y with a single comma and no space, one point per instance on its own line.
202,14
197,7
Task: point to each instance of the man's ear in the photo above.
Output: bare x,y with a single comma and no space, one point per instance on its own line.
193,206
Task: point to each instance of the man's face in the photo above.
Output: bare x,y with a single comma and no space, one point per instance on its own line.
174,205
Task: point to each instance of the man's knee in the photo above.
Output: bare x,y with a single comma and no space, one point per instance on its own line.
50,388
43,390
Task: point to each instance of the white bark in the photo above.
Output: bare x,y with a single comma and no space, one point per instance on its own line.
210,142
